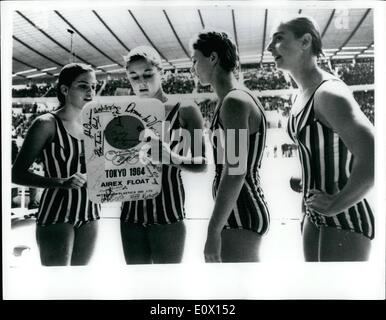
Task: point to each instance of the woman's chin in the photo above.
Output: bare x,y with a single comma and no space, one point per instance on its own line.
144,94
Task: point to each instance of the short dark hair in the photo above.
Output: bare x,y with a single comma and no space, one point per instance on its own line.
211,41
67,76
302,25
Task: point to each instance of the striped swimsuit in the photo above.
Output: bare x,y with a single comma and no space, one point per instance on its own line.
251,210
326,166
168,206
61,159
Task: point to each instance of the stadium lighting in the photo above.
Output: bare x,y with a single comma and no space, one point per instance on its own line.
166,65
343,53
180,60
49,69
26,71
342,57
37,75
108,65
251,56
117,70
354,48
364,55
182,65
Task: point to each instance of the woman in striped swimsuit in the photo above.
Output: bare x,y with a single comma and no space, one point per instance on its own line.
336,147
66,221
153,230
240,216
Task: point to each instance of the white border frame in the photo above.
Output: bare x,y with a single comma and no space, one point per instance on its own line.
199,281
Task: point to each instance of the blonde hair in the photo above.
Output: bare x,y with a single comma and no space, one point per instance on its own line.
144,52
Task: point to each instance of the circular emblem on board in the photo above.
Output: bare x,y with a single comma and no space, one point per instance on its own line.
123,132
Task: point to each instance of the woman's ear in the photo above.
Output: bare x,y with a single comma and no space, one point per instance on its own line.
306,41
64,89
213,58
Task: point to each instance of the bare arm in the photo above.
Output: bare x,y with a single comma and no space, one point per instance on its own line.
192,121
234,116
40,133
192,134
340,112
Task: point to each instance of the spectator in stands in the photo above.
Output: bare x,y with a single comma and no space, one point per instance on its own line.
338,173
178,83
366,100
265,78
240,216
15,190
356,72
66,220
153,230
34,108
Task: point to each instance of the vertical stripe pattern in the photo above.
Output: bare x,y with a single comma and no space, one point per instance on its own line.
168,206
326,166
61,159
250,211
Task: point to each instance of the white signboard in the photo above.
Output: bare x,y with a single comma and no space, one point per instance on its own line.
113,140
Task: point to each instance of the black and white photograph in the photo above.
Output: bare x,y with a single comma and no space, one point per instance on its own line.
198,150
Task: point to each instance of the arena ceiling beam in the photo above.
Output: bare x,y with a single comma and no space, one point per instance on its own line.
148,39
49,31
26,64
175,34
29,66
201,19
235,29
111,31
87,40
352,33
37,52
364,50
264,34
328,23
52,39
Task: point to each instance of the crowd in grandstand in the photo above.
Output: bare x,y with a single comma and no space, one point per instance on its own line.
264,77
22,121
201,88
366,101
35,91
111,85
178,83
267,77
358,73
